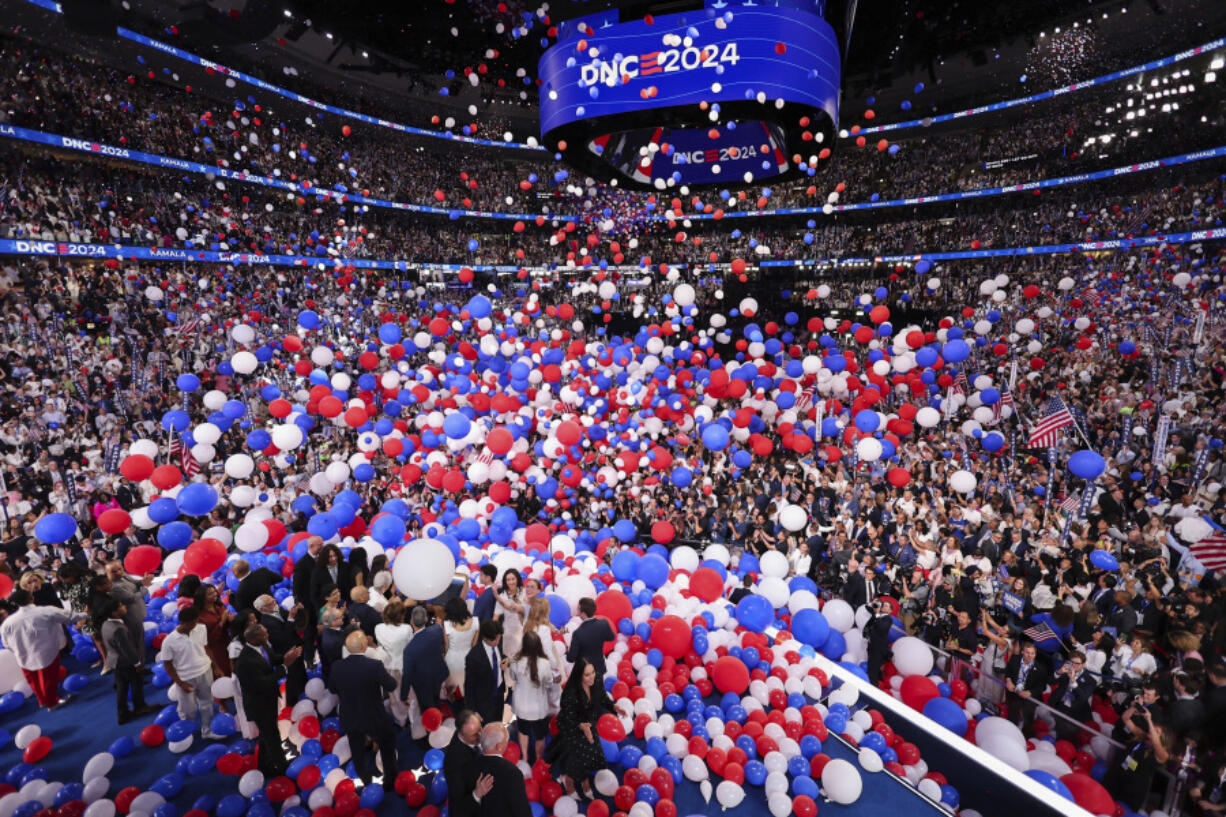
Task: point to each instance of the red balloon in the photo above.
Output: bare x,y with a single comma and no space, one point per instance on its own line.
662,782
415,795
1089,793
403,781
6,585
610,728
672,636
918,690
165,477
142,559
803,806
613,605
280,789
569,432
232,762
152,735
308,727
730,675
114,521
309,777
136,467
599,808
623,798
432,719
37,750
706,584
123,800
551,793
734,772
662,532
204,557
499,441
898,477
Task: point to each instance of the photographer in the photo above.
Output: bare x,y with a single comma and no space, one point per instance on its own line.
877,633
1072,693
964,641
1130,778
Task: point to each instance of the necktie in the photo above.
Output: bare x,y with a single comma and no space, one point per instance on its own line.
1021,675
494,664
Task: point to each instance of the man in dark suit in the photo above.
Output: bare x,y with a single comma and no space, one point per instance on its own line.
1025,680
282,637
1186,712
485,669
1122,616
862,585
484,606
361,684
507,796
331,641
458,760
877,633
590,637
1214,698
304,568
252,584
1071,694
259,672
361,613
424,669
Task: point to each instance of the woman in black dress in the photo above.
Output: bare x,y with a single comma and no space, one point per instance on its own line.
583,702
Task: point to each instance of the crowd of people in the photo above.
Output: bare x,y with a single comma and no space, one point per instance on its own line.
739,412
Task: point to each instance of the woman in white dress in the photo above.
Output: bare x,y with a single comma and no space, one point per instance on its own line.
511,606
533,682
393,636
538,623
460,631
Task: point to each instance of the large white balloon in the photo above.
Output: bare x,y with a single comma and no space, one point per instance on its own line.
963,481
839,615
729,794
239,466
774,564
793,517
423,569
841,781
912,656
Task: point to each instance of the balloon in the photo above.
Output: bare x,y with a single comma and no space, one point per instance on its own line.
841,781
671,635
1088,793
204,557
706,584
794,517
610,728
1104,560
912,656
55,528
142,559
730,675
963,481
810,627
1049,780
1086,464
917,691
754,613
729,794
423,569
947,713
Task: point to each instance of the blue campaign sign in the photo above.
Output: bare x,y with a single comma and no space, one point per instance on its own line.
748,64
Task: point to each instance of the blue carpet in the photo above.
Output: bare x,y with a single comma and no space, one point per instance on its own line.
87,726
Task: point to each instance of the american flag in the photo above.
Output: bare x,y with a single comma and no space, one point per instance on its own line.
1046,432
960,384
486,456
1006,399
186,461
804,401
1039,632
183,332
1070,503
1211,551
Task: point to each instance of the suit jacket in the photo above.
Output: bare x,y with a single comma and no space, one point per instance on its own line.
588,642
1036,679
508,798
259,680
255,584
483,607
282,634
120,651
1184,715
855,591
1079,709
304,569
365,617
331,644
480,692
1123,618
423,668
321,578
458,761
361,683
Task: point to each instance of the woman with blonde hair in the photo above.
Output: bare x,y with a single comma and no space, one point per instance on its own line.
393,635
538,623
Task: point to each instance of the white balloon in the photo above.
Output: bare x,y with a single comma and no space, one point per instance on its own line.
250,782
839,615
223,688
95,789
98,766
793,518
912,656
774,564
251,536
606,782
729,794
842,783
963,482
423,569
870,761
239,466
244,362
684,557
927,417
100,808
27,735
693,768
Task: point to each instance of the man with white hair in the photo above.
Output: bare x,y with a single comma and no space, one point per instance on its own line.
507,795
283,636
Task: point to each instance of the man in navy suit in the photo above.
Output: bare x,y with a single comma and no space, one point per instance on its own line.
259,671
507,796
361,612
331,640
361,684
304,569
589,638
484,607
1071,694
423,667
485,668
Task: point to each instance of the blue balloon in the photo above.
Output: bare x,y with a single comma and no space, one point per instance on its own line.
956,351
625,566
232,805
715,437
1104,560
197,499
810,627
223,724
456,426
1050,781
388,530
652,570
434,760
835,645
187,382
755,613
55,528
76,682
867,421
1086,464
946,713
308,319
175,535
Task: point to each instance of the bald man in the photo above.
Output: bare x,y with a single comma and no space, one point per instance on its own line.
362,683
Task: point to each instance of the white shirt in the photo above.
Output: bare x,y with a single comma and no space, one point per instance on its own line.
393,638
531,701
492,654
35,635
186,652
